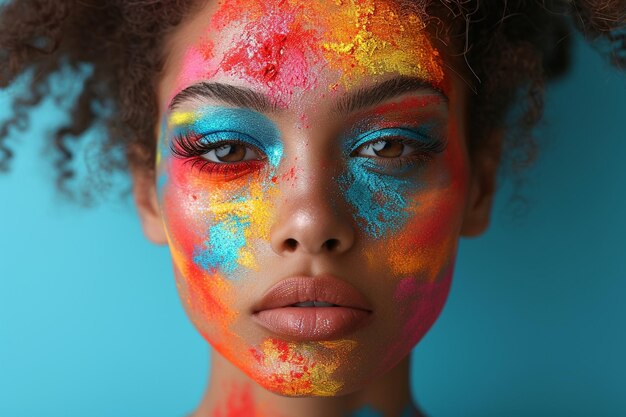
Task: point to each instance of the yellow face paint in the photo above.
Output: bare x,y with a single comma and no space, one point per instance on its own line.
299,369
373,38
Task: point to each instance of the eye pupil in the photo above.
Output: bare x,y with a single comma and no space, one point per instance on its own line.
231,153
388,149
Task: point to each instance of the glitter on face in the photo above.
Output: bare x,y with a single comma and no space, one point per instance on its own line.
299,369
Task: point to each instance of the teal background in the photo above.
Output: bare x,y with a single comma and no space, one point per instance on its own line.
90,322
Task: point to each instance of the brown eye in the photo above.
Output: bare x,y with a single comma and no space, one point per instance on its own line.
231,153
384,149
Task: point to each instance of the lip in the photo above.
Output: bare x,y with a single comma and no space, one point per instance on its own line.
276,311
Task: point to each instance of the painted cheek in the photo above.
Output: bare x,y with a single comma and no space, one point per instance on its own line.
206,295
418,305
213,227
217,225
379,201
427,244
218,219
422,258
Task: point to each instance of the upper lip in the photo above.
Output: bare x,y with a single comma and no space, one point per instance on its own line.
323,288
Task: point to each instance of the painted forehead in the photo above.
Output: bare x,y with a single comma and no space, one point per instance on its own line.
281,47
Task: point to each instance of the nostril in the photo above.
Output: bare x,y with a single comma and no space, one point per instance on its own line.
331,244
291,244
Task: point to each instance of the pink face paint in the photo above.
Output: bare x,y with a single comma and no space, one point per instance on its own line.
281,46
420,303
239,402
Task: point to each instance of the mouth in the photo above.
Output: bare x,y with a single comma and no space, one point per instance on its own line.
312,309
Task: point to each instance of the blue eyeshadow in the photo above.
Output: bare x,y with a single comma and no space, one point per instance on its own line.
253,126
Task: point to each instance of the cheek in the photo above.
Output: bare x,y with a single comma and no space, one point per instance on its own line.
418,304
213,227
379,201
421,234
427,243
420,257
204,291
217,223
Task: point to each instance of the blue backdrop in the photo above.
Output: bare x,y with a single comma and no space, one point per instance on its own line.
90,323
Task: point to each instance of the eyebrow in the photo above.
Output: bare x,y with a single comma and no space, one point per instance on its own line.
360,99
386,90
227,94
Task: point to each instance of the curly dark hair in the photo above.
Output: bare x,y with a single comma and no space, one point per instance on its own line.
506,50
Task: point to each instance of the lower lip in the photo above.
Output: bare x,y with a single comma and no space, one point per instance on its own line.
312,323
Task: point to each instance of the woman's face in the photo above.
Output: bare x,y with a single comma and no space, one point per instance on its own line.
312,182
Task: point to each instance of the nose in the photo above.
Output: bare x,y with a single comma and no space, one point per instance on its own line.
312,218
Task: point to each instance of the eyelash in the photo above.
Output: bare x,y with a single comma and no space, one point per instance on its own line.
424,152
191,148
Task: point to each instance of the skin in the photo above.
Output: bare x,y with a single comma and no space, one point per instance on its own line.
313,197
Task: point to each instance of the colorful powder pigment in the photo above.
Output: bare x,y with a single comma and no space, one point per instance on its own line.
421,302
238,222
382,199
212,222
207,298
217,226
282,45
230,215
299,369
240,403
376,38
379,200
423,246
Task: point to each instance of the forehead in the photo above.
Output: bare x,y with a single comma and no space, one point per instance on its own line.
286,48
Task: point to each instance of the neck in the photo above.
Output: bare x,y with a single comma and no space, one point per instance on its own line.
231,393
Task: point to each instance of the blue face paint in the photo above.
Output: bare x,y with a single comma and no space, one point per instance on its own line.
379,194
224,246
221,251
215,124
378,199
